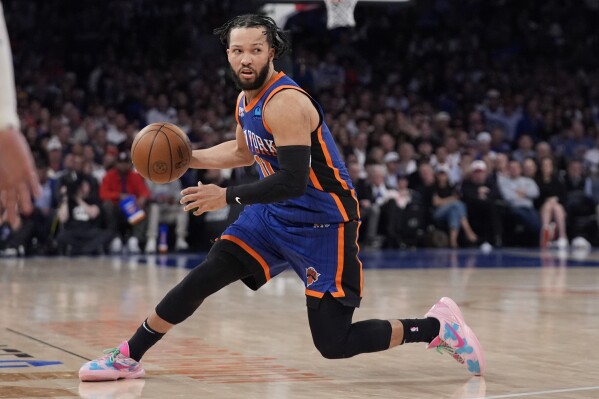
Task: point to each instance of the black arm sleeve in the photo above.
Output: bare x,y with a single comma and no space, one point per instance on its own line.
289,182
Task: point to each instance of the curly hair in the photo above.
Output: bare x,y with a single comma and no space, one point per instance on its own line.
277,38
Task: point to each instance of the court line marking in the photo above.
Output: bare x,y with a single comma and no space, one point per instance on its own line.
516,395
47,343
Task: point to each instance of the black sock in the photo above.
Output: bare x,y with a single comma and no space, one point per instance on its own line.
143,339
420,330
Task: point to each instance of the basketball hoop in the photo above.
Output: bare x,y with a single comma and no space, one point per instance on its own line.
340,13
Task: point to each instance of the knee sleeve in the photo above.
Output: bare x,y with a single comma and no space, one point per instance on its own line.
218,270
331,349
330,326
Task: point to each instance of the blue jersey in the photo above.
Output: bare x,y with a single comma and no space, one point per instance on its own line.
330,196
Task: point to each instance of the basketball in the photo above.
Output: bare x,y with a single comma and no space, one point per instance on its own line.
161,152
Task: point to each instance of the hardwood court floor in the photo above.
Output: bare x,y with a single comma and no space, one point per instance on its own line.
538,324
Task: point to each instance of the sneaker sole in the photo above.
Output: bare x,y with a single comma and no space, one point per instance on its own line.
468,334
109,375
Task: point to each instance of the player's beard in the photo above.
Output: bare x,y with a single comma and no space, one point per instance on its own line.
256,84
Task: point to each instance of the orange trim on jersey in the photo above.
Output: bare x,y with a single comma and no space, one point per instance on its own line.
268,166
327,156
251,252
339,206
354,195
315,181
261,93
340,260
272,93
262,168
239,100
314,293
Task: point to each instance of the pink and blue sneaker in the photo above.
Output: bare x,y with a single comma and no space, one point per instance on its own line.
115,364
455,337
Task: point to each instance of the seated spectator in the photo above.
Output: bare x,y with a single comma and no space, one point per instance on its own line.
552,194
519,192
480,194
530,168
578,205
165,208
359,146
44,212
543,150
577,201
380,192
509,117
498,141
577,142
74,168
524,149
364,193
89,157
465,164
391,160
118,184
162,111
80,216
483,146
447,208
387,142
402,215
424,151
531,121
500,166
441,160
407,164
55,156
491,109
423,182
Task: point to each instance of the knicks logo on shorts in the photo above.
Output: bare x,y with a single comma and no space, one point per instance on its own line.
311,276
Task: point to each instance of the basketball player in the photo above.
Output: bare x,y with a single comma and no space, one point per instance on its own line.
302,213
18,175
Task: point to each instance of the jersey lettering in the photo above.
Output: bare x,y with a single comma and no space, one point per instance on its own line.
258,145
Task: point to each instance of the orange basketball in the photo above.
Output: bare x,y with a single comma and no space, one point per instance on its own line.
161,152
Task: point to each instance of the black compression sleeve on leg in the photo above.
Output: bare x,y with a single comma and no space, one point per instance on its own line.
219,269
336,337
290,181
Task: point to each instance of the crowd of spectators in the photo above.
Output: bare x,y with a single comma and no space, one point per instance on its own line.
462,123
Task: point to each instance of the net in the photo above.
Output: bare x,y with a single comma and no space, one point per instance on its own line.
340,13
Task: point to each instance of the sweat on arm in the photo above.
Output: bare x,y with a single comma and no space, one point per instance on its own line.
290,181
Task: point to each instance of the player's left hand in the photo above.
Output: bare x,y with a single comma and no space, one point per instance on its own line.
18,176
203,198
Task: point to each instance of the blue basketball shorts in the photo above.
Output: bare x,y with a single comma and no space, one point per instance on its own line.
324,256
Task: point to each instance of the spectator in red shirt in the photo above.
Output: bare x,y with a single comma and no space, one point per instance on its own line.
119,183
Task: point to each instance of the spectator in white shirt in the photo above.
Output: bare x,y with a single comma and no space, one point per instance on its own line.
519,192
